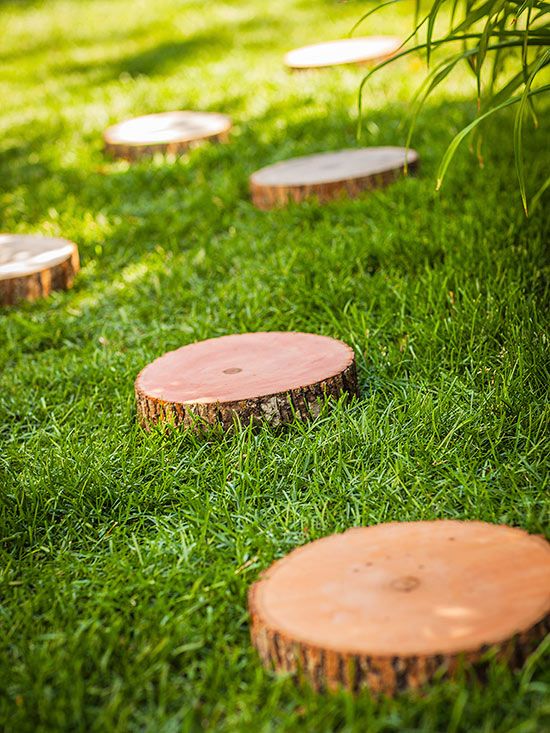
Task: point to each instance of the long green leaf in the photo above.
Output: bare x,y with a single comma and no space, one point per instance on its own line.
432,17
408,51
511,85
518,128
536,198
363,18
472,17
455,142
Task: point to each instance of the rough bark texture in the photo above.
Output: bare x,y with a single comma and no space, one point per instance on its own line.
276,409
135,152
329,670
268,197
40,284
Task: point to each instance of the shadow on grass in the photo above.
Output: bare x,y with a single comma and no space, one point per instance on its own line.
221,171
165,57
159,209
57,43
160,59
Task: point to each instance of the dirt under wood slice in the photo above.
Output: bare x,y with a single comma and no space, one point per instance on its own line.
329,176
343,51
268,376
165,132
390,606
31,266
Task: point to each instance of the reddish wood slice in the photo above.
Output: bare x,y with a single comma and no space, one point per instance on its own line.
344,51
387,607
259,376
32,266
166,132
328,176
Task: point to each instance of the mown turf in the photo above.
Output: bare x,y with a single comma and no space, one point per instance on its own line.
126,557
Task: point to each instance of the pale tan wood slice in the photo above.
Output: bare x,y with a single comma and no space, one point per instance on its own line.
343,51
31,266
390,606
165,132
251,376
328,176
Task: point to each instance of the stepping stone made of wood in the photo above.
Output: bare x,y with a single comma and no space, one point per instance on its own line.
166,132
32,266
329,176
390,606
344,51
260,376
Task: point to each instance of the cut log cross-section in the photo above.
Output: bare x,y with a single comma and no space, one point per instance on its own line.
389,607
329,176
369,49
165,132
252,376
31,266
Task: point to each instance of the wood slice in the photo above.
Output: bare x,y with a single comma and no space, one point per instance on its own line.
344,51
32,266
389,606
166,132
328,176
250,376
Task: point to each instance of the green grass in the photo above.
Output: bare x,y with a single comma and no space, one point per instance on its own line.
126,558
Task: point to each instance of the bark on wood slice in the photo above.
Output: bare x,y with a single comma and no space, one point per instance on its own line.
344,51
389,606
251,376
32,266
166,132
329,176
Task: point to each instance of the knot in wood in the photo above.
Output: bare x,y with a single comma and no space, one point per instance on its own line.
405,584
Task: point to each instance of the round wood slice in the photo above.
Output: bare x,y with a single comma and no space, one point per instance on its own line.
328,176
32,266
166,132
259,376
389,606
344,51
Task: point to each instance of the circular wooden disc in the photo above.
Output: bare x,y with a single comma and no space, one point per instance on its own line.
329,175
32,266
166,132
344,51
386,606
250,375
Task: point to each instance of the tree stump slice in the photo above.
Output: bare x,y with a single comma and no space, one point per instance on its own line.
369,49
32,266
329,176
165,132
390,606
251,376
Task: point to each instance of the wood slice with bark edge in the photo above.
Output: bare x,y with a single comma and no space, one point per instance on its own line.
32,266
392,606
167,133
369,49
329,176
260,377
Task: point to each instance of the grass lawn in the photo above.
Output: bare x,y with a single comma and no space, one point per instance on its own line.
125,557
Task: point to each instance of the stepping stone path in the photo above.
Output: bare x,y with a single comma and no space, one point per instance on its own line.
386,607
344,51
166,132
328,176
31,266
261,376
